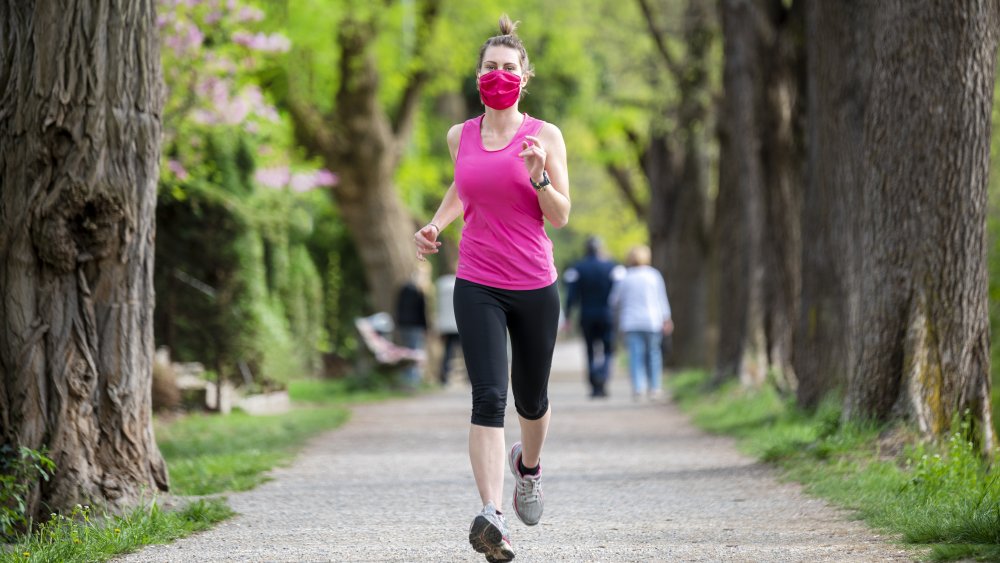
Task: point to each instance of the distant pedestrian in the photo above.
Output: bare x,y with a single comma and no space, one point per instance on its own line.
643,314
447,326
588,284
510,176
411,322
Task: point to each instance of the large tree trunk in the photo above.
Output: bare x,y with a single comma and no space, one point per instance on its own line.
782,161
837,86
676,167
739,214
364,146
366,161
925,350
80,101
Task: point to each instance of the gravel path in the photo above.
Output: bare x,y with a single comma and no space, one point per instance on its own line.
623,482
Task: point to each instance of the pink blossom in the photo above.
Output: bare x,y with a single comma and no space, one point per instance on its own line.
277,177
325,178
187,37
249,14
273,43
235,111
213,17
204,117
303,182
177,169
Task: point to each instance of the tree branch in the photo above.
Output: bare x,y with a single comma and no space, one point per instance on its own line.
623,180
402,125
660,40
311,129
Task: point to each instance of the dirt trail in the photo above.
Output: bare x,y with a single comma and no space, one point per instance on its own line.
623,482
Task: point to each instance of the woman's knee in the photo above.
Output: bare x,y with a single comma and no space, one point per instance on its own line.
488,406
532,410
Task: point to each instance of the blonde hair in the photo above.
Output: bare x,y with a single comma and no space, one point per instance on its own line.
638,256
507,38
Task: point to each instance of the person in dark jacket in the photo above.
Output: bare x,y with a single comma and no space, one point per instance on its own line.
588,284
411,321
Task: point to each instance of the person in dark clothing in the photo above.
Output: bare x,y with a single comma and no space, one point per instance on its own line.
411,321
588,284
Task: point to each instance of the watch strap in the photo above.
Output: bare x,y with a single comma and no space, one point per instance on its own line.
541,185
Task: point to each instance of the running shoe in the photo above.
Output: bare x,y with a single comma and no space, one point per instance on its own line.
527,489
488,535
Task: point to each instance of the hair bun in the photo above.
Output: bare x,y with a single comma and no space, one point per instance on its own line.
508,27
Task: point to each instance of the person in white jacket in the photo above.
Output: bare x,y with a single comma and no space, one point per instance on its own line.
642,311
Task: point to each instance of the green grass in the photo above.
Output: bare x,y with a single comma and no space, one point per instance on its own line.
205,454
942,497
213,453
82,537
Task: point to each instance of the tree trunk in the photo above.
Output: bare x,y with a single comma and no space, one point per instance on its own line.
739,214
782,161
80,101
364,146
825,343
676,167
925,350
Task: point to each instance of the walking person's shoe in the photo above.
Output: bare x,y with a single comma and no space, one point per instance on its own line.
488,535
527,489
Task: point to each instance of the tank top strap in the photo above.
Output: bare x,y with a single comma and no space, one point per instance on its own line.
533,126
469,141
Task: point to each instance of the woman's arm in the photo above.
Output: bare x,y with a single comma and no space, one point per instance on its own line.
426,238
548,151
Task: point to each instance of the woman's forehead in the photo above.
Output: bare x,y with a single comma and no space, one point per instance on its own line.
501,55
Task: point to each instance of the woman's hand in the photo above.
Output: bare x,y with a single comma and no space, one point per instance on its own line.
426,241
534,157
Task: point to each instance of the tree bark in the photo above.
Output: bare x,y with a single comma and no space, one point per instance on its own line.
739,214
80,101
825,348
924,354
782,162
676,167
364,146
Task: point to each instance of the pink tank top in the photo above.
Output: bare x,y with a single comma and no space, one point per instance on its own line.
504,244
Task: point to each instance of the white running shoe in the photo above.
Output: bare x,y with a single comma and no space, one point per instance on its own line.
488,535
527,489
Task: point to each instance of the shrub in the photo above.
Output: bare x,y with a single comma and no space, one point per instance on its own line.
19,471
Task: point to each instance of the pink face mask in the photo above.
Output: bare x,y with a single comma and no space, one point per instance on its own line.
499,89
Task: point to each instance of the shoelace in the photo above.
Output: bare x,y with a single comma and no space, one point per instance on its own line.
528,489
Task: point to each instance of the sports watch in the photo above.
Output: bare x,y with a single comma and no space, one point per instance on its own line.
540,187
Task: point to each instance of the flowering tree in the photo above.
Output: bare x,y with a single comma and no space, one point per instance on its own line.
236,304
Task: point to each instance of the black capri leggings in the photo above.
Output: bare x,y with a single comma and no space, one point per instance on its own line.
485,315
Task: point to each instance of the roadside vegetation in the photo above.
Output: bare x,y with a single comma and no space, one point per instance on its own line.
940,498
207,454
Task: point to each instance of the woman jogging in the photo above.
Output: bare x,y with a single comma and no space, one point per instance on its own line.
510,175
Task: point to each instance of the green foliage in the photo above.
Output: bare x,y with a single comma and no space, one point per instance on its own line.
20,471
943,496
228,215
82,536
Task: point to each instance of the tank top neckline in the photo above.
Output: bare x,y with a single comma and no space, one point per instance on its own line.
479,129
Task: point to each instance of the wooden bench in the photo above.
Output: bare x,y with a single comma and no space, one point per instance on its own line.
385,353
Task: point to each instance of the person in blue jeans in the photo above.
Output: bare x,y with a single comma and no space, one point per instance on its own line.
411,322
589,283
642,310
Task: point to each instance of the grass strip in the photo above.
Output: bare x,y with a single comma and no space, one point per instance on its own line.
80,536
206,454
941,499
